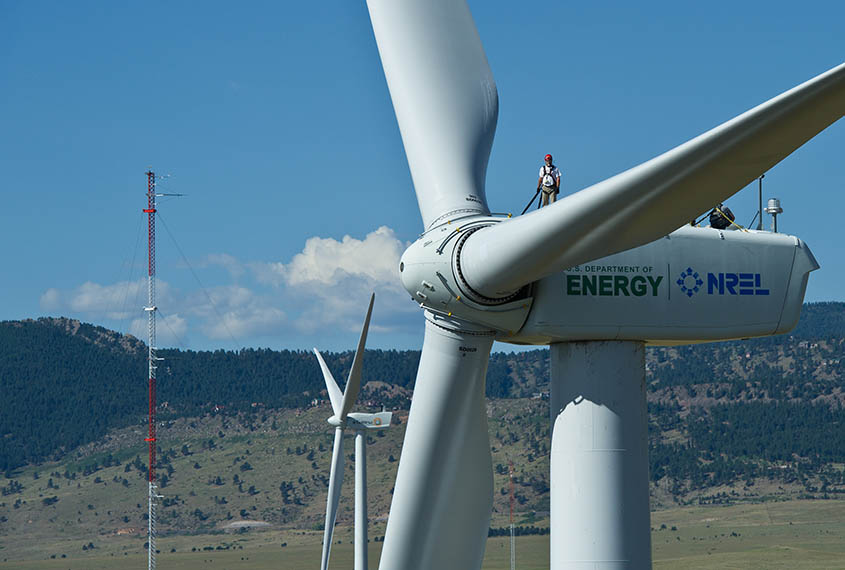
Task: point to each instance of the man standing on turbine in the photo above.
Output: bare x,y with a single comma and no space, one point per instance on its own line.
549,181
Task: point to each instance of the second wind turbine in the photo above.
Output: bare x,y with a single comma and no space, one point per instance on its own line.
359,422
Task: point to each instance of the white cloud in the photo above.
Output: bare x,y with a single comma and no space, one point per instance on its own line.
50,300
321,292
117,301
255,320
326,261
226,261
333,280
208,302
171,330
235,311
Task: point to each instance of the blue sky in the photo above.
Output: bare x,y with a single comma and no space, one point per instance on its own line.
274,118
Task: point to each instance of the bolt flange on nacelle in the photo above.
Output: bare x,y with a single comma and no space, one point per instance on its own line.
430,270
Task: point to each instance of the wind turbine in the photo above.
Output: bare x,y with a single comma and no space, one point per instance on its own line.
359,423
479,277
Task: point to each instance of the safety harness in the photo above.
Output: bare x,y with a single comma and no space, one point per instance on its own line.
547,171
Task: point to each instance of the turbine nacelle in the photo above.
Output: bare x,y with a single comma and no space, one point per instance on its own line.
360,421
623,292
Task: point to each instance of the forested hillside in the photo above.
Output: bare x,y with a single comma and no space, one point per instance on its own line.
243,435
66,383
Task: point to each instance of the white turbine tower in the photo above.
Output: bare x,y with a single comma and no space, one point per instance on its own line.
359,423
584,275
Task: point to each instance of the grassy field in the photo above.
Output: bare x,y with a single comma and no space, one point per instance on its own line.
791,534
220,471
276,471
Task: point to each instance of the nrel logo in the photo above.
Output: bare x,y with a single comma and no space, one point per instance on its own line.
690,282
735,283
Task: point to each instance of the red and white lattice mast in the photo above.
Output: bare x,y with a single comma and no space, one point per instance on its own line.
513,538
152,361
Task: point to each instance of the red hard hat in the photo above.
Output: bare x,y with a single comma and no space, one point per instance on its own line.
548,157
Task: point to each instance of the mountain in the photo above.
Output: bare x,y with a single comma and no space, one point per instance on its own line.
76,381
243,434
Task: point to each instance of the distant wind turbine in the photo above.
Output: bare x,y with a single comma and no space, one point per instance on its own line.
359,422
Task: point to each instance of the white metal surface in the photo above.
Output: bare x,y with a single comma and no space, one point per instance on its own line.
446,106
353,383
443,496
652,199
444,97
599,458
335,395
694,285
774,209
430,273
751,284
378,420
361,562
333,496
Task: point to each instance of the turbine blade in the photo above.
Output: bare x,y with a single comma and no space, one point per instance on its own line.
335,396
654,198
443,496
353,383
333,497
445,100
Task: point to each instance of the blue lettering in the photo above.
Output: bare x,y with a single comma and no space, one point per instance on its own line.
746,283
731,280
735,284
757,285
713,281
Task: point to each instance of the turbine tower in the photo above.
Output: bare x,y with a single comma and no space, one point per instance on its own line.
359,423
597,276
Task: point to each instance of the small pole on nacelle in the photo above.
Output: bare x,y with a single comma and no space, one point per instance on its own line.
760,202
774,209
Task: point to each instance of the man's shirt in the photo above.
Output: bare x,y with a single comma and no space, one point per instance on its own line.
549,174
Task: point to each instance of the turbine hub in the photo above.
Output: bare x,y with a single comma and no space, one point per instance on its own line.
430,270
